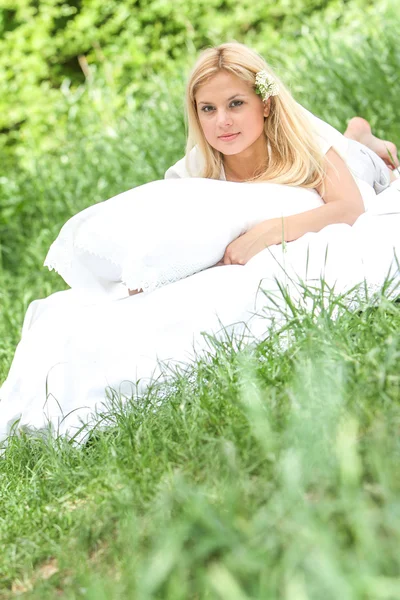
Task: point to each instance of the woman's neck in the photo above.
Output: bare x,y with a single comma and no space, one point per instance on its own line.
241,172
247,164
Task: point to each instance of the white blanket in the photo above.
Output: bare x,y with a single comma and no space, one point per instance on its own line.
74,345
163,231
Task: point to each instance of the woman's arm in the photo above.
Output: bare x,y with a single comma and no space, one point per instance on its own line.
343,204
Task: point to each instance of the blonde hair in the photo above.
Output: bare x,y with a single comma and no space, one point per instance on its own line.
295,157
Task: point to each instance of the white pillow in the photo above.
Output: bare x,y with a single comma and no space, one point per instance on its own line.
165,230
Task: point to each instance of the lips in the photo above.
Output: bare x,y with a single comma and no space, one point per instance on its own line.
228,137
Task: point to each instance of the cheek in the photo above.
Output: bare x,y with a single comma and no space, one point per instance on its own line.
207,127
257,123
250,122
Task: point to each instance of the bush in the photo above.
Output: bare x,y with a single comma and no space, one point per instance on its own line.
43,43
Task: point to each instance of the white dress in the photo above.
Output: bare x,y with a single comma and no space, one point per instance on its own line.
78,352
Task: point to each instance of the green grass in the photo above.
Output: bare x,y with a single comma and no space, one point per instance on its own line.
268,473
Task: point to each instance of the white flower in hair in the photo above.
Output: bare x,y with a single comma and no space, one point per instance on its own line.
266,85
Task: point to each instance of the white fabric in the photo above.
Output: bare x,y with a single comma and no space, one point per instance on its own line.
76,345
327,136
163,231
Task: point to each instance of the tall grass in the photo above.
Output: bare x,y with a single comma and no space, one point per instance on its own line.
268,473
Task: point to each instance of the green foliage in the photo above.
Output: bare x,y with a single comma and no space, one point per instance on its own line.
95,156
45,42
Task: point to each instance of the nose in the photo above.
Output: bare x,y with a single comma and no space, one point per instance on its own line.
224,119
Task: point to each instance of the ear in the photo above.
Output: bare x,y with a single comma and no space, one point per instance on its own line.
267,107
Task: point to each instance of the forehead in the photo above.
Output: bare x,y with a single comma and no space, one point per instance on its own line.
221,86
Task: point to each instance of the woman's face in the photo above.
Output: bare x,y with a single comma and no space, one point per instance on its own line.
231,114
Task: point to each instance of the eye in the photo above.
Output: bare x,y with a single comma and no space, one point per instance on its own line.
206,108
235,103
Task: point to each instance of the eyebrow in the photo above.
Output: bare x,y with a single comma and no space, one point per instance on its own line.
229,99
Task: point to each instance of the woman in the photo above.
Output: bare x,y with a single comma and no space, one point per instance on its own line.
245,126
76,345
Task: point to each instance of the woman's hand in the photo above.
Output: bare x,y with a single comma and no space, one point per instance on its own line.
241,250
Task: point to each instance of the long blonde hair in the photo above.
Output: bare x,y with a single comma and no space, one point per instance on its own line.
294,155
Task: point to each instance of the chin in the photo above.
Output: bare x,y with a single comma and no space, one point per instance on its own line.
230,151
